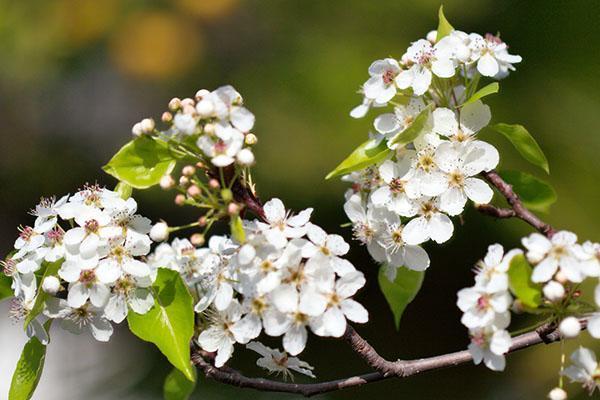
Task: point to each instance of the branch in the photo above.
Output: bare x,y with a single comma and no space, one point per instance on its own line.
386,369
517,210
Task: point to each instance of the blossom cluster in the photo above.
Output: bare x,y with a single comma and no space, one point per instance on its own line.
217,122
96,241
486,308
287,275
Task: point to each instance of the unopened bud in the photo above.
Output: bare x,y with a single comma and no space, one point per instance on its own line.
174,104
159,232
554,291
250,139
137,129
180,199
194,191
184,181
517,307
233,208
188,170
166,117
51,285
209,129
200,165
245,157
197,239
167,182
202,221
431,36
214,184
201,94
557,394
205,108
188,102
226,195
570,327
147,125
189,110
561,277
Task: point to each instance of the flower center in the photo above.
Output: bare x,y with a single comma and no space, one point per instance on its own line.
426,162
388,76
258,305
26,233
91,226
87,277
457,179
483,303
397,185
428,209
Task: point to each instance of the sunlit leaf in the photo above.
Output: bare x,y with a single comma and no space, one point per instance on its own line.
28,371
170,323
402,291
369,153
535,193
481,93
50,269
142,162
124,190
237,229
519,278
525,144
444,27
177,386
414,129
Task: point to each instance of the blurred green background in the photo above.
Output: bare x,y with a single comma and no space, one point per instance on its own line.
76,74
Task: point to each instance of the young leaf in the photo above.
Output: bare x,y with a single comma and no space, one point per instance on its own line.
237,229
50,270
414,129
369,153
5,290
402,291
519,280
525,144
484,91
142,162
177,386
444,27
124,190
170,324
535,193
28,371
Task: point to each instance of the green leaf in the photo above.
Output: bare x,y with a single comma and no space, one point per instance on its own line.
170,323
177,386
142,162
525,144
237,229
402,291
28,371
519,280
124,190
5,290
414,129
444,27
484,91
369,153
51,269
535,193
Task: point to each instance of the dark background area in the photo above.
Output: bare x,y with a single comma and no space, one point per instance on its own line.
76,74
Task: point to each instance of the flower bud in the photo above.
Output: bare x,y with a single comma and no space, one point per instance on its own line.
188,170
245,157
557,394
205,108
432,36
189,110
233,208
194,191
561,278
184,181
209,129
174,104
187,102
570,327
197,239
214,184
147,125
159,232
166,117
200,94
167,182
200,165
250,139
180,199
554,291
51,285
202,221
137,129
226,195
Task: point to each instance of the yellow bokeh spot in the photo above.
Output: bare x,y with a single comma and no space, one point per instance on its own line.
84,21
208,9
156,45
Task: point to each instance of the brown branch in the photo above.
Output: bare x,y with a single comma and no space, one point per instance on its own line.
519,210
385,369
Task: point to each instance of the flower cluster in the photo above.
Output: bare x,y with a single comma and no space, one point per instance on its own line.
287,275
88,248
217,122
486,308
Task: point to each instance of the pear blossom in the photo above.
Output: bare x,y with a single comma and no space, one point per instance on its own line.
381,87
584,369
472,118
553,254
80,319
431,223
489,345
279,226
398,192
129,292
492,55
279,362
218,336
492,270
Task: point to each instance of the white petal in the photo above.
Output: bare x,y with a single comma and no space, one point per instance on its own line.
224,296
335,322
101,329
453,201
415,231
294,340
274,210
444,122
421,81
487,65
416,258
475,116
544,271
99,294
136,268
478,191
354,311
285,298
349,284
78,295
440,228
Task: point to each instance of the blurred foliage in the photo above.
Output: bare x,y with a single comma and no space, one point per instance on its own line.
76,74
